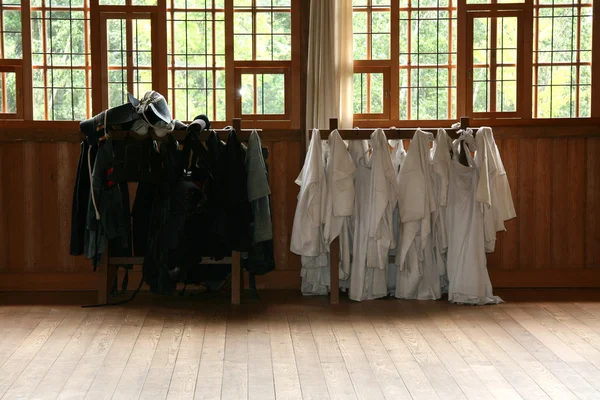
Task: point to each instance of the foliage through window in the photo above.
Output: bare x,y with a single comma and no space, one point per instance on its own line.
61,59
11,43
562,71
262,29
196,47
8,93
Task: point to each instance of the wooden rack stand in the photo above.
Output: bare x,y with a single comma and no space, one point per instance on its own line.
107,267
365,134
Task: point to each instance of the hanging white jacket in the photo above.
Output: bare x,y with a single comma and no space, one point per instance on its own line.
440,154
398,156
339,198
418,276
493,190
307,232
384,197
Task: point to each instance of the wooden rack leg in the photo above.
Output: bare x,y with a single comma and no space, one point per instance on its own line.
334,272
106,277
236,278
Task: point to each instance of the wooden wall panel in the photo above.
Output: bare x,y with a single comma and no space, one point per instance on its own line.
553,242
592,233
510,238
576,203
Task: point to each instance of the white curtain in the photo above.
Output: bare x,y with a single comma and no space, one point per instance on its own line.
330,64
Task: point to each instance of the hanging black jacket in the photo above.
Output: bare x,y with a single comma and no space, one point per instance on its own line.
81,197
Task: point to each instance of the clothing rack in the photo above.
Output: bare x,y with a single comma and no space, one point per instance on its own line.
365,134
107,265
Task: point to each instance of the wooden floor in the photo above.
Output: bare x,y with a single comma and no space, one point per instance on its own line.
301,348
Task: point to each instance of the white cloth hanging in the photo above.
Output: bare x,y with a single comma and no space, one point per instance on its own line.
440,166
398,156
493,190
417,276
339,198
375,199
307,232
469,282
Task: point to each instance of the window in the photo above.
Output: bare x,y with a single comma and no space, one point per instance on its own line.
562,71
60,52
11,43
196,59
495,65
427,59
371,24
262,30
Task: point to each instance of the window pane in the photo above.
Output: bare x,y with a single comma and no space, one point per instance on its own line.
368,93
427,44
263,94
371,28
10,29
263,30
197,72
561,59
61,59
8,93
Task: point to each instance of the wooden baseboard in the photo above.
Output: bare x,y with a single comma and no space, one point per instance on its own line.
546,278
43,297
48,281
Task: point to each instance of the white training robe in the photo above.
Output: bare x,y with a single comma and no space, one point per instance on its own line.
493,190
375,199
339,198
440,165
469,282
307,232
398,156
418,276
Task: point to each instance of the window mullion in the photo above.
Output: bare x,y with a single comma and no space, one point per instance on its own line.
596,60
393,99
26,97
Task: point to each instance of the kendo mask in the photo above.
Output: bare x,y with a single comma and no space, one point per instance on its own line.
154,112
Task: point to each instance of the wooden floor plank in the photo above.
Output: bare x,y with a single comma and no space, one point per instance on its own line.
135,371
185,373
466,378
388,378
285,371
60,371
310,372
536,351
235,366
26,352
106,380
359,368
301,348
210,373
261,383
26,383
557,345
158,379
339,384
468,319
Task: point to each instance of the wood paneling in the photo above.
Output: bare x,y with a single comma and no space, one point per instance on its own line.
553,242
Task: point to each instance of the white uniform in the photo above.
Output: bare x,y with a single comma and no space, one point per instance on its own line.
375,188
307,233
340,198
440,154
418,276
469,282
493,190
398,156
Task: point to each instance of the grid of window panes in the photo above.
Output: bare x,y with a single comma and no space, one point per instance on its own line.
263,94
61,59
262,30
8,93
368,93
562,58
494,73
427,59
371,29
129,69
196,57
11,46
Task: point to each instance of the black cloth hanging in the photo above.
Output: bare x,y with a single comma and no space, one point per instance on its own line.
81,198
